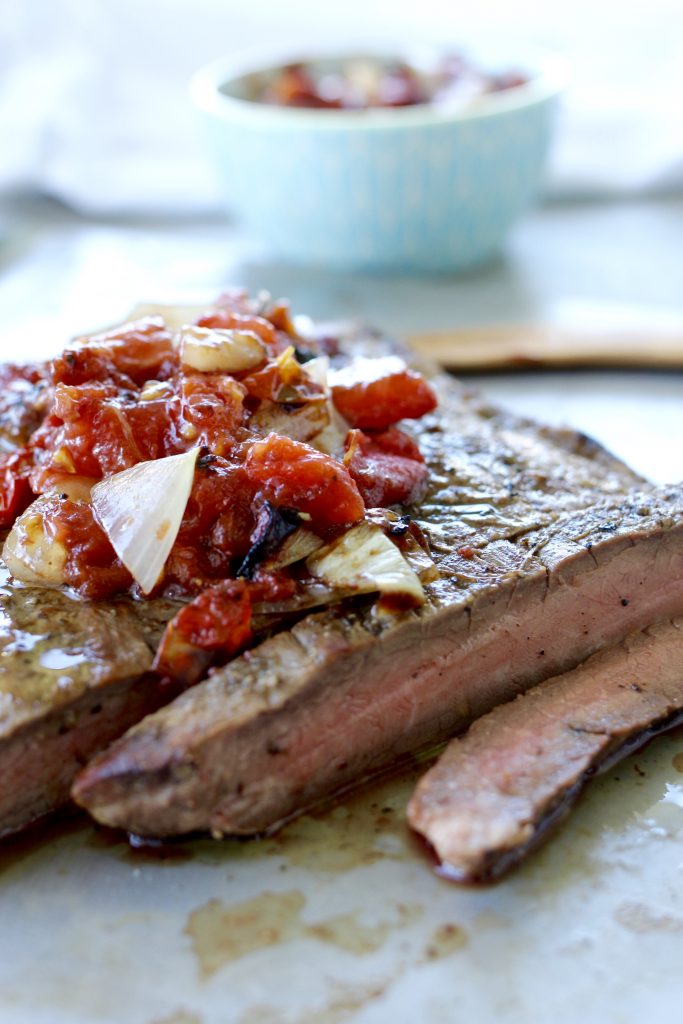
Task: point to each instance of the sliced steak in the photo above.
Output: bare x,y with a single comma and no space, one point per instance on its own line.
498,790
73,677
543,560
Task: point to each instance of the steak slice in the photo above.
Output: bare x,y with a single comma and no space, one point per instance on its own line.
497,791
73,677
543,558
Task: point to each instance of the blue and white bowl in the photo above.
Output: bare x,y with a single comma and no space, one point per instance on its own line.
420,188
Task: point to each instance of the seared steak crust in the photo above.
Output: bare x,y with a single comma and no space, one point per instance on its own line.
73,677
497,791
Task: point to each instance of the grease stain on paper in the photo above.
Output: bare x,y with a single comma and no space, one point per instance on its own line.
343,1005
222,933
360,829
664,818
179,1017
642,919
446,939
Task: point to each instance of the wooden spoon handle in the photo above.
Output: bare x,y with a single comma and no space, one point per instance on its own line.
518,346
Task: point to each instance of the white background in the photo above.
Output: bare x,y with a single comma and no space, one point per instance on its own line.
94,107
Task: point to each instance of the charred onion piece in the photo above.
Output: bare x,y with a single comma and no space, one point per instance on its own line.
272,526
294,475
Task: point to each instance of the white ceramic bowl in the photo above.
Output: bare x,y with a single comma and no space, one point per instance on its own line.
423,188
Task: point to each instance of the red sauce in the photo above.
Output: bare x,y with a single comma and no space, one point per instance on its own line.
365,83
216,622
386,466
124,397
374,399
294,475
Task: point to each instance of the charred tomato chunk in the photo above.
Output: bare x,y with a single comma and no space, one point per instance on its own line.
387,467
292,474
216,625
375,393
134,353
15,490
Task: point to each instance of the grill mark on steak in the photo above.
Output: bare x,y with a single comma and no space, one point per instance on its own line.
348,691
499,790
73,677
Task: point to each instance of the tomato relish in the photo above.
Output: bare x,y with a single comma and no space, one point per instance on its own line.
281,443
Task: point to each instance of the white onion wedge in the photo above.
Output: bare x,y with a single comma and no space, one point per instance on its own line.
318,370
364,560
301,422
295,548
173,316
30,554
366,370
412,544
330,439
220,351
141,509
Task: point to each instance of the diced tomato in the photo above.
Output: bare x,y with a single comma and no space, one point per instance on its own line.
216,527
374,393
266,383
213,412
95,429
292,474
216,624
271,586
387,467
15,490
228,319
220,487
185,569
30,373
113,442
95,437
68,432
92,567
282,380
295,86
235,298
134,353
394,441
153,424
280,316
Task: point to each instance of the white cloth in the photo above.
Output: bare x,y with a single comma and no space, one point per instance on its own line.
94,106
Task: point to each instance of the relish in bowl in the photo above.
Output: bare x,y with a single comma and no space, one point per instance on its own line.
360,163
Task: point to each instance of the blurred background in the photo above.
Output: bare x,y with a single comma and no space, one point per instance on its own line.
95,111
107,195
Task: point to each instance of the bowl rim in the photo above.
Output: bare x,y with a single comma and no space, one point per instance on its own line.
548,79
